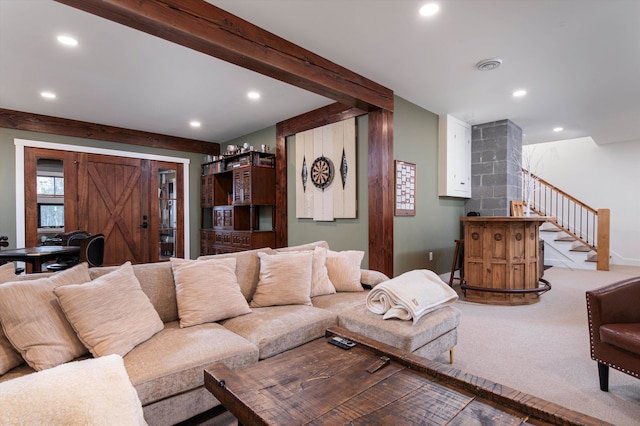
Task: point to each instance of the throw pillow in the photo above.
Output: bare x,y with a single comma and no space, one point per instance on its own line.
285,279
247,268
7,272
344,269
207,290
9,357
320,282
34,323
89,392
111,314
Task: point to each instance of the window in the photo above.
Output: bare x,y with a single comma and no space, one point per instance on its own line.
50,186
50,215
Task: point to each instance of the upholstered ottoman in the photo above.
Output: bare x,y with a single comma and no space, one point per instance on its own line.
434,333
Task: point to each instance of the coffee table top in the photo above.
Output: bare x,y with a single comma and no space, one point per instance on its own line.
319,383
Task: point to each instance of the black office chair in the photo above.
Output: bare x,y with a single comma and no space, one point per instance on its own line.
92,250
4,242
74,238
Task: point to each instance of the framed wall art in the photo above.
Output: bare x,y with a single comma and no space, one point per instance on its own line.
405,201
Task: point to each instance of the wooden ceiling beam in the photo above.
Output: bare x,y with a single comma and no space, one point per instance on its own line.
201,26
81,129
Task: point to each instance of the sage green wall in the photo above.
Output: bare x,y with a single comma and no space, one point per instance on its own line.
8,182
437,221
434,227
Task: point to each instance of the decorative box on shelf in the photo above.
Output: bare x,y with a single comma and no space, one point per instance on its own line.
245,159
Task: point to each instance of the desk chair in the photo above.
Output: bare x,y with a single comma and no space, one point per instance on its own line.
74,238
517,208
4,242
92,250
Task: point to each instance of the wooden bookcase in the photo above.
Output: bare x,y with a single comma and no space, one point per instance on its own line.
237,199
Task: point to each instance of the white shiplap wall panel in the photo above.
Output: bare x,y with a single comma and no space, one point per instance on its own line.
335,201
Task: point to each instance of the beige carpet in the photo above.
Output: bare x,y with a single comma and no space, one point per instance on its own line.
543,349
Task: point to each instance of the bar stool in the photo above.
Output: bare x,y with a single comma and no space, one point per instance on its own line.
458,251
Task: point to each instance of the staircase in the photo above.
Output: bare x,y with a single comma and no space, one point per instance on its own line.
579,236
562,249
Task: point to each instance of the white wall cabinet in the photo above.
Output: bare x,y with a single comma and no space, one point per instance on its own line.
454,174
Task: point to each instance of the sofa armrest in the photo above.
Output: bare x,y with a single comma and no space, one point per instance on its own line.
371,278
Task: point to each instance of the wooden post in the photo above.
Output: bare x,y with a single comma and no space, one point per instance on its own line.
603,242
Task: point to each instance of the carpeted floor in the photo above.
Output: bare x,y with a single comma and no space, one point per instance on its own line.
543,349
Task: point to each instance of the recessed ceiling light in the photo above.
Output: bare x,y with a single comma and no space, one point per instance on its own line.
429,9
519,93
558,129
195,123
67,40
253,95
48,95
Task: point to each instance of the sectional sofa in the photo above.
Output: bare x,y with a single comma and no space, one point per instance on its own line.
193,320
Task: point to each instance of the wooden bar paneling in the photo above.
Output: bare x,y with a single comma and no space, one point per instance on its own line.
81,129
201,26
501,259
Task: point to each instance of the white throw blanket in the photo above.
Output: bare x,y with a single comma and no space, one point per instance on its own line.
95,391
410,295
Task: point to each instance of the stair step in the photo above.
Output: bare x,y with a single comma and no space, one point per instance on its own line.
592,257
578,246
549,227
583,249
566,238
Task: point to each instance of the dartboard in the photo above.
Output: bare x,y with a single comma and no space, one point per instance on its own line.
322,172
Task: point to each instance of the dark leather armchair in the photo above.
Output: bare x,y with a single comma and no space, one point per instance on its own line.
614,328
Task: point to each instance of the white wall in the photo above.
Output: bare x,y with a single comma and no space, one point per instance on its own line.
601,176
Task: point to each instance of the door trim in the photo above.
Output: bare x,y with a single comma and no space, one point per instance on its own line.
20,144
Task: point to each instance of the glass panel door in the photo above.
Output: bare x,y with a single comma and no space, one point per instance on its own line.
167,237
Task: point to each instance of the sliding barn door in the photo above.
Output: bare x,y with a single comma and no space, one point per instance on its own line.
113,199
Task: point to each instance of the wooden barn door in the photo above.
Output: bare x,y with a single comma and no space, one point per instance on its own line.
113,199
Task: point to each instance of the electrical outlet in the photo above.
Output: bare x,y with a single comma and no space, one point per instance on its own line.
430,255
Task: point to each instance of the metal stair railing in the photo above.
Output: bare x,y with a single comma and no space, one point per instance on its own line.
587,225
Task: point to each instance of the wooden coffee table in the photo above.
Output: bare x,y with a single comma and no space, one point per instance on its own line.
321,384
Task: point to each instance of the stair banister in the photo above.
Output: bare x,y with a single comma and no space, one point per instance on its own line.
589,226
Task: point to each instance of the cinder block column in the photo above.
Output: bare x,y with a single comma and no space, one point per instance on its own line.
496,160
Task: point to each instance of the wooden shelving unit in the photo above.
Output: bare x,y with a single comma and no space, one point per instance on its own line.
238,203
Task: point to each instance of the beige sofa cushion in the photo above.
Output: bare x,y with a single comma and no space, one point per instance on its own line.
207,290
173,361
89,392
9,356
340,302
34,322
285,279
276,329
111,314
344,269
247,268
156,281
7,272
